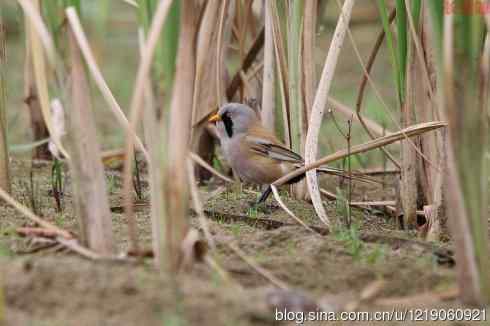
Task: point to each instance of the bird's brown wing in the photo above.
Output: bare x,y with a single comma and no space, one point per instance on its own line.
265,143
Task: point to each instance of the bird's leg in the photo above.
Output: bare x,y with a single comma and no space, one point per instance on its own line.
260,203
263,197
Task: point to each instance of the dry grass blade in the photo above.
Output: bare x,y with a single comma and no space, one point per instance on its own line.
411,131
319,104
196,158
196,201
287,210
31,216
77,28
347,112
136,107
265,273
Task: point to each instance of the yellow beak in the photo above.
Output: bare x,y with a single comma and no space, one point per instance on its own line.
214,118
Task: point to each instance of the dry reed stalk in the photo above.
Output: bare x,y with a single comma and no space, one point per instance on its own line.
91,200
433,145
176,180
319,106
153,136
4,154
411,131
135,113
267,114
408,181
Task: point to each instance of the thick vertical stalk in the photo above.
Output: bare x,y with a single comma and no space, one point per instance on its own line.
267,113
298,133
91,199
176,180
467,180
4,156
408,183
308,58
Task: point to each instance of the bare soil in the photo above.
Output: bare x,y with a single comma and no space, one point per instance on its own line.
53,287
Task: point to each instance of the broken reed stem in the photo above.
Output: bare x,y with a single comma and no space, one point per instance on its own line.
370,145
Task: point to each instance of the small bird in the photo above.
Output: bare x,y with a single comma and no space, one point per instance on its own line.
252,151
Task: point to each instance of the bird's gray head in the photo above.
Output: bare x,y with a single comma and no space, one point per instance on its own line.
234,118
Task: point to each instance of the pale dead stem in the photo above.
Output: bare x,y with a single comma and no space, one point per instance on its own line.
260,270
135,111
319,104
410,131
286,209
30,215
94,69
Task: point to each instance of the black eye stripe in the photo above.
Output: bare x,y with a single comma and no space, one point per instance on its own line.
228,124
